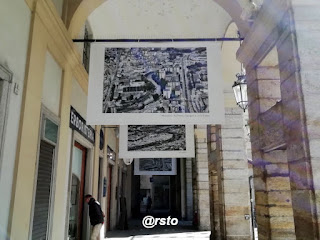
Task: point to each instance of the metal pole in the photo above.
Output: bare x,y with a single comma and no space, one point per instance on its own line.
162,40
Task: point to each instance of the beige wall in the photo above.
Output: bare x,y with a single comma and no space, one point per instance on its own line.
230,65
79,99
58,4
13,55
52,85
158,19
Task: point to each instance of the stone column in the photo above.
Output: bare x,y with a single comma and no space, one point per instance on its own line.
216,205
183,187
274,212
234,176
189,195
300,88
202,177
293,27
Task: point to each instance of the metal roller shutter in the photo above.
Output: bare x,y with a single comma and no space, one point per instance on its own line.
42,202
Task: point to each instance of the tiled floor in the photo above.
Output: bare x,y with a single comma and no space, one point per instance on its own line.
136,231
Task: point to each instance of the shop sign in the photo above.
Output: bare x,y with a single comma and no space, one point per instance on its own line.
79,124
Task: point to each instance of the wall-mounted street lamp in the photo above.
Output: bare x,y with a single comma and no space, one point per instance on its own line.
240,91
240,86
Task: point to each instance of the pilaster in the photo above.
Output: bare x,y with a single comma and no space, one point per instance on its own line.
25,166
202,177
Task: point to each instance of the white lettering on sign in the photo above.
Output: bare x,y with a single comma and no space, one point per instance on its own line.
78,124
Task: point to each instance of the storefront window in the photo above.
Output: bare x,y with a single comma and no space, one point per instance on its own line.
51,131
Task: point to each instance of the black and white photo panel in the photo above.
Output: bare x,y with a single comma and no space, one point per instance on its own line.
159,141
155,83
155,166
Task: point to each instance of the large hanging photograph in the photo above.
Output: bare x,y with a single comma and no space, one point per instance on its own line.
153,83
155,166
145,141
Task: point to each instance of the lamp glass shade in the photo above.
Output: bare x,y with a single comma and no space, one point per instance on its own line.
240,93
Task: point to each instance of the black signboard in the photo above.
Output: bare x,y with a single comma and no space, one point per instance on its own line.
79,124
101,139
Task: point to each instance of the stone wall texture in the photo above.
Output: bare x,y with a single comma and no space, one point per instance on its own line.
285,132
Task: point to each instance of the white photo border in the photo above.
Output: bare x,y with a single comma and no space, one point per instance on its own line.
95,116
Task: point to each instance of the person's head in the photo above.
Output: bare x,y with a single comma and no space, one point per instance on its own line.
87,198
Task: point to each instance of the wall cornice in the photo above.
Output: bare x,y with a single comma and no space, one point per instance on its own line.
60,42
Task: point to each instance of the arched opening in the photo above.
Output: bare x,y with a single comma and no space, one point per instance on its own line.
79,13
178,19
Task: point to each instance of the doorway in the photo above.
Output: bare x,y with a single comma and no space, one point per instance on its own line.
45,177
77,191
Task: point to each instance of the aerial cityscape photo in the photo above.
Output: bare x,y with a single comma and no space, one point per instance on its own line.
155,164
155,80
156,137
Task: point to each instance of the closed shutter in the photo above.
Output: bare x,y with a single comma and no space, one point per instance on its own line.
42,201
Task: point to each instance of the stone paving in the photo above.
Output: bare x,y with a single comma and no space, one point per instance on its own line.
136,231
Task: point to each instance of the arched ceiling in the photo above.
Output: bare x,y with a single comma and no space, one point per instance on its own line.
159,19
238,10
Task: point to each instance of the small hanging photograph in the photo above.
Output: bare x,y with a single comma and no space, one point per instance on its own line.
155,166
145,141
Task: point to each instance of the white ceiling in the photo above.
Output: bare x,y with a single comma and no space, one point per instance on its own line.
140,19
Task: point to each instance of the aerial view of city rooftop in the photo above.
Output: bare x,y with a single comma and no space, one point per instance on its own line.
155,80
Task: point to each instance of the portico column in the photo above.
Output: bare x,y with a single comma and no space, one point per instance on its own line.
304,40
183,187
202,204
189,194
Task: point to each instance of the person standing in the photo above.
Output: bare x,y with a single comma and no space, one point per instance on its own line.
96,216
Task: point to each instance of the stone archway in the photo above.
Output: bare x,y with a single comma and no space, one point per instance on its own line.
80,13
275,26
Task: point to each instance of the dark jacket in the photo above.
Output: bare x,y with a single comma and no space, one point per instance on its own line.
95,212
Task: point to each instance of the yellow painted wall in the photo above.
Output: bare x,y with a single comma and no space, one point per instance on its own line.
52,85
28,134
230,66
48,34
